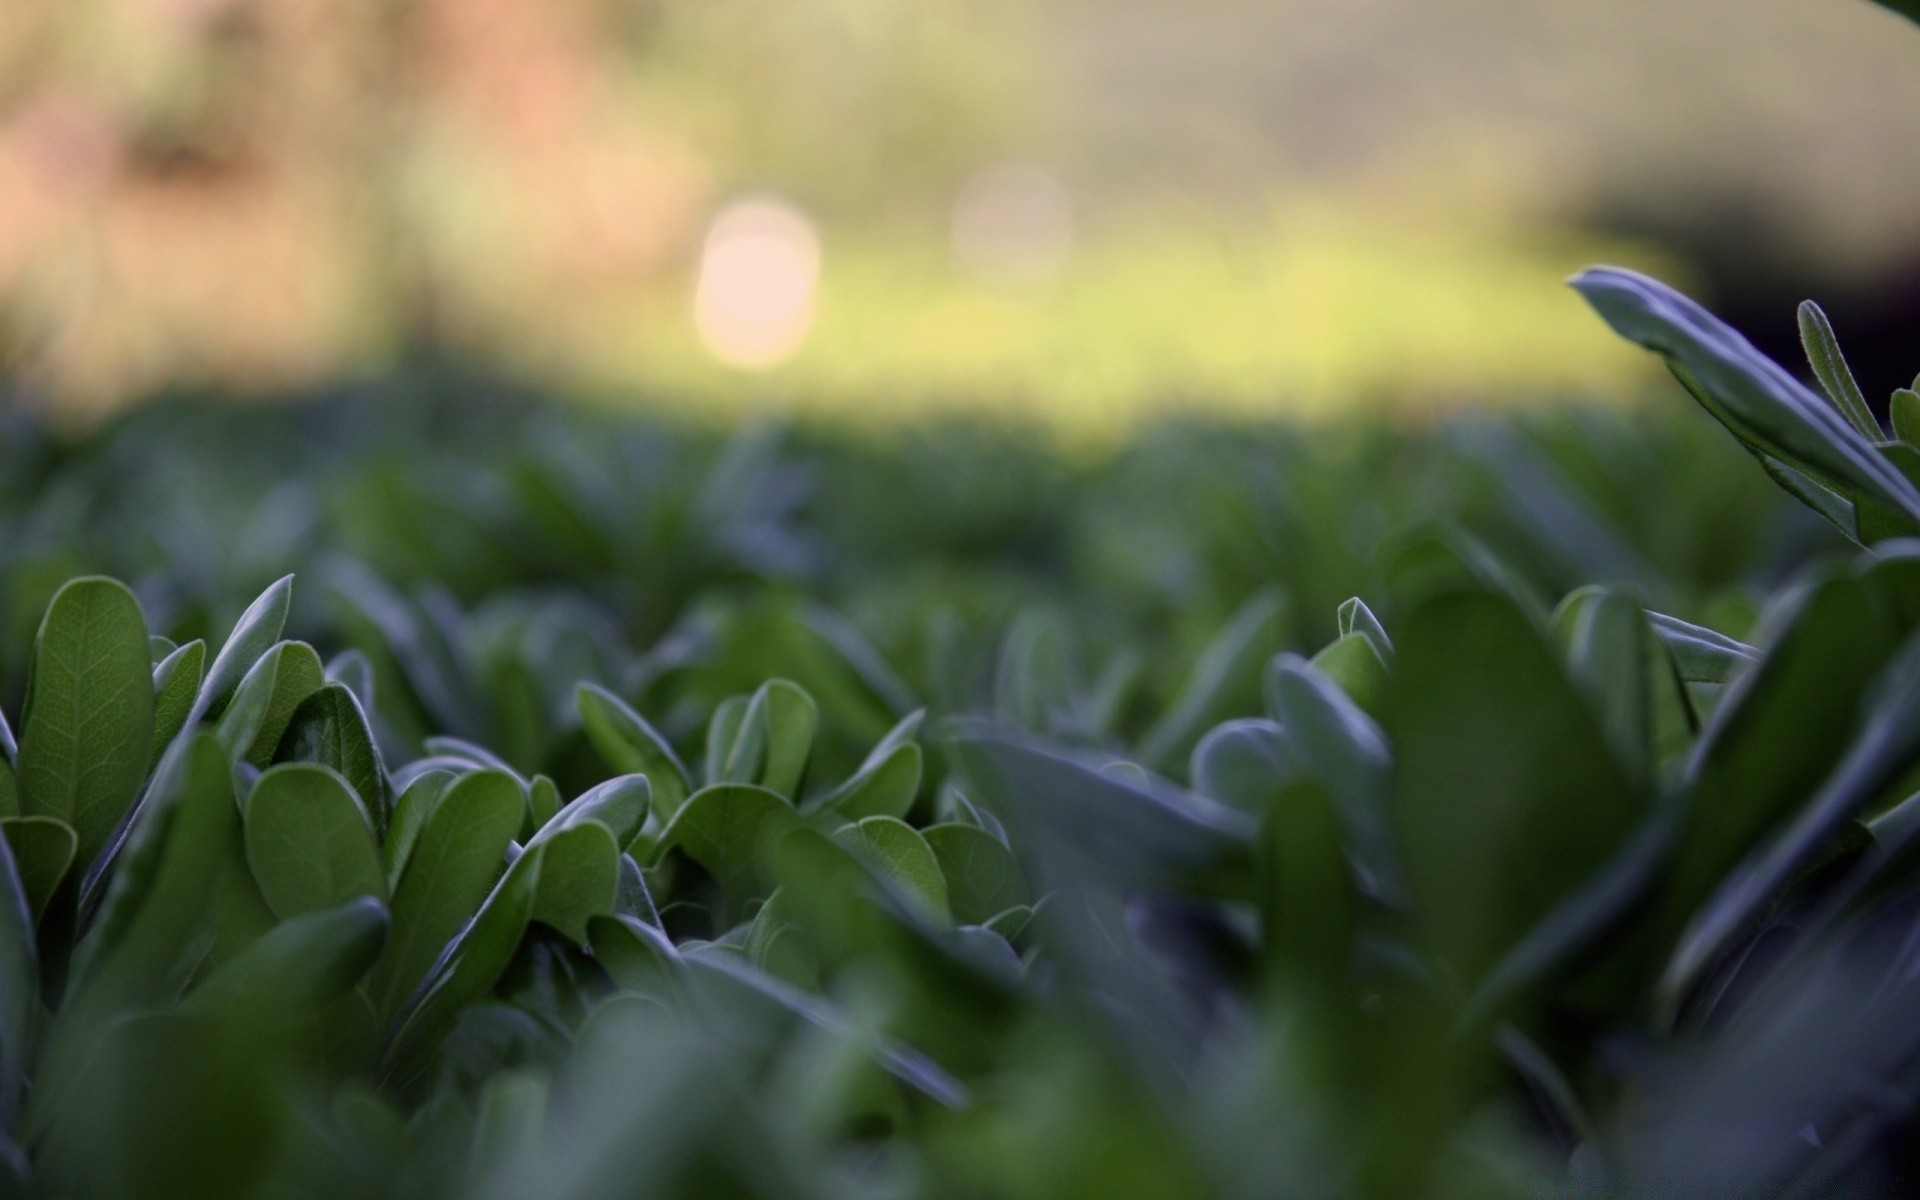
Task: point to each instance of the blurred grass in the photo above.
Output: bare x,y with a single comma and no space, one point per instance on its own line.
1316,307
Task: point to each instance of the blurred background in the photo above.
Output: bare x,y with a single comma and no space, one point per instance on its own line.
1081,209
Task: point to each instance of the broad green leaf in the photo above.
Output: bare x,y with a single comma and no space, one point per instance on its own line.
789,716
257,715
1230,665
330,729
778,946
1307,898
1830,368
619,805
1505,797
887,782
287,977
44,849
543,800
858,694
253,634
156,921
1339,746
176,686
1243,763
1604,638
1886,747
722,828
19,984
416,805
88,732
579,878
902,858
637,955
470,964
1905,411
456,858
1762,404
714,975
1133,833
983,880
886,788
309,844
1353,661
736,746
631,746
1777,732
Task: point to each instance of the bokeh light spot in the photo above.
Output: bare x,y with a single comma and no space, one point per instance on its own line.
759,269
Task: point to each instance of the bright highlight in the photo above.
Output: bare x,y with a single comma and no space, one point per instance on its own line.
759,270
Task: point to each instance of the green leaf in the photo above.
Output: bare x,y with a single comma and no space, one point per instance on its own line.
416,805
619,805
1230,665
722,827
251,725
631,746
1135,833
901,857
329,728
88,732
1830,368
156,922
983,880
1505,798
44,849
637,955
788,715
736,747
309,844
1905,411
1307,899
1354,662
579,879
1776,733
1604,637
253,634
1334,743
1243,763
176,686
291,973
19,984
457,857
1886,746
470,964
543,801
887,782
1764,406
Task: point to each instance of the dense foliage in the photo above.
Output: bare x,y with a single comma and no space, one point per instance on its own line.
1497,809
612,809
